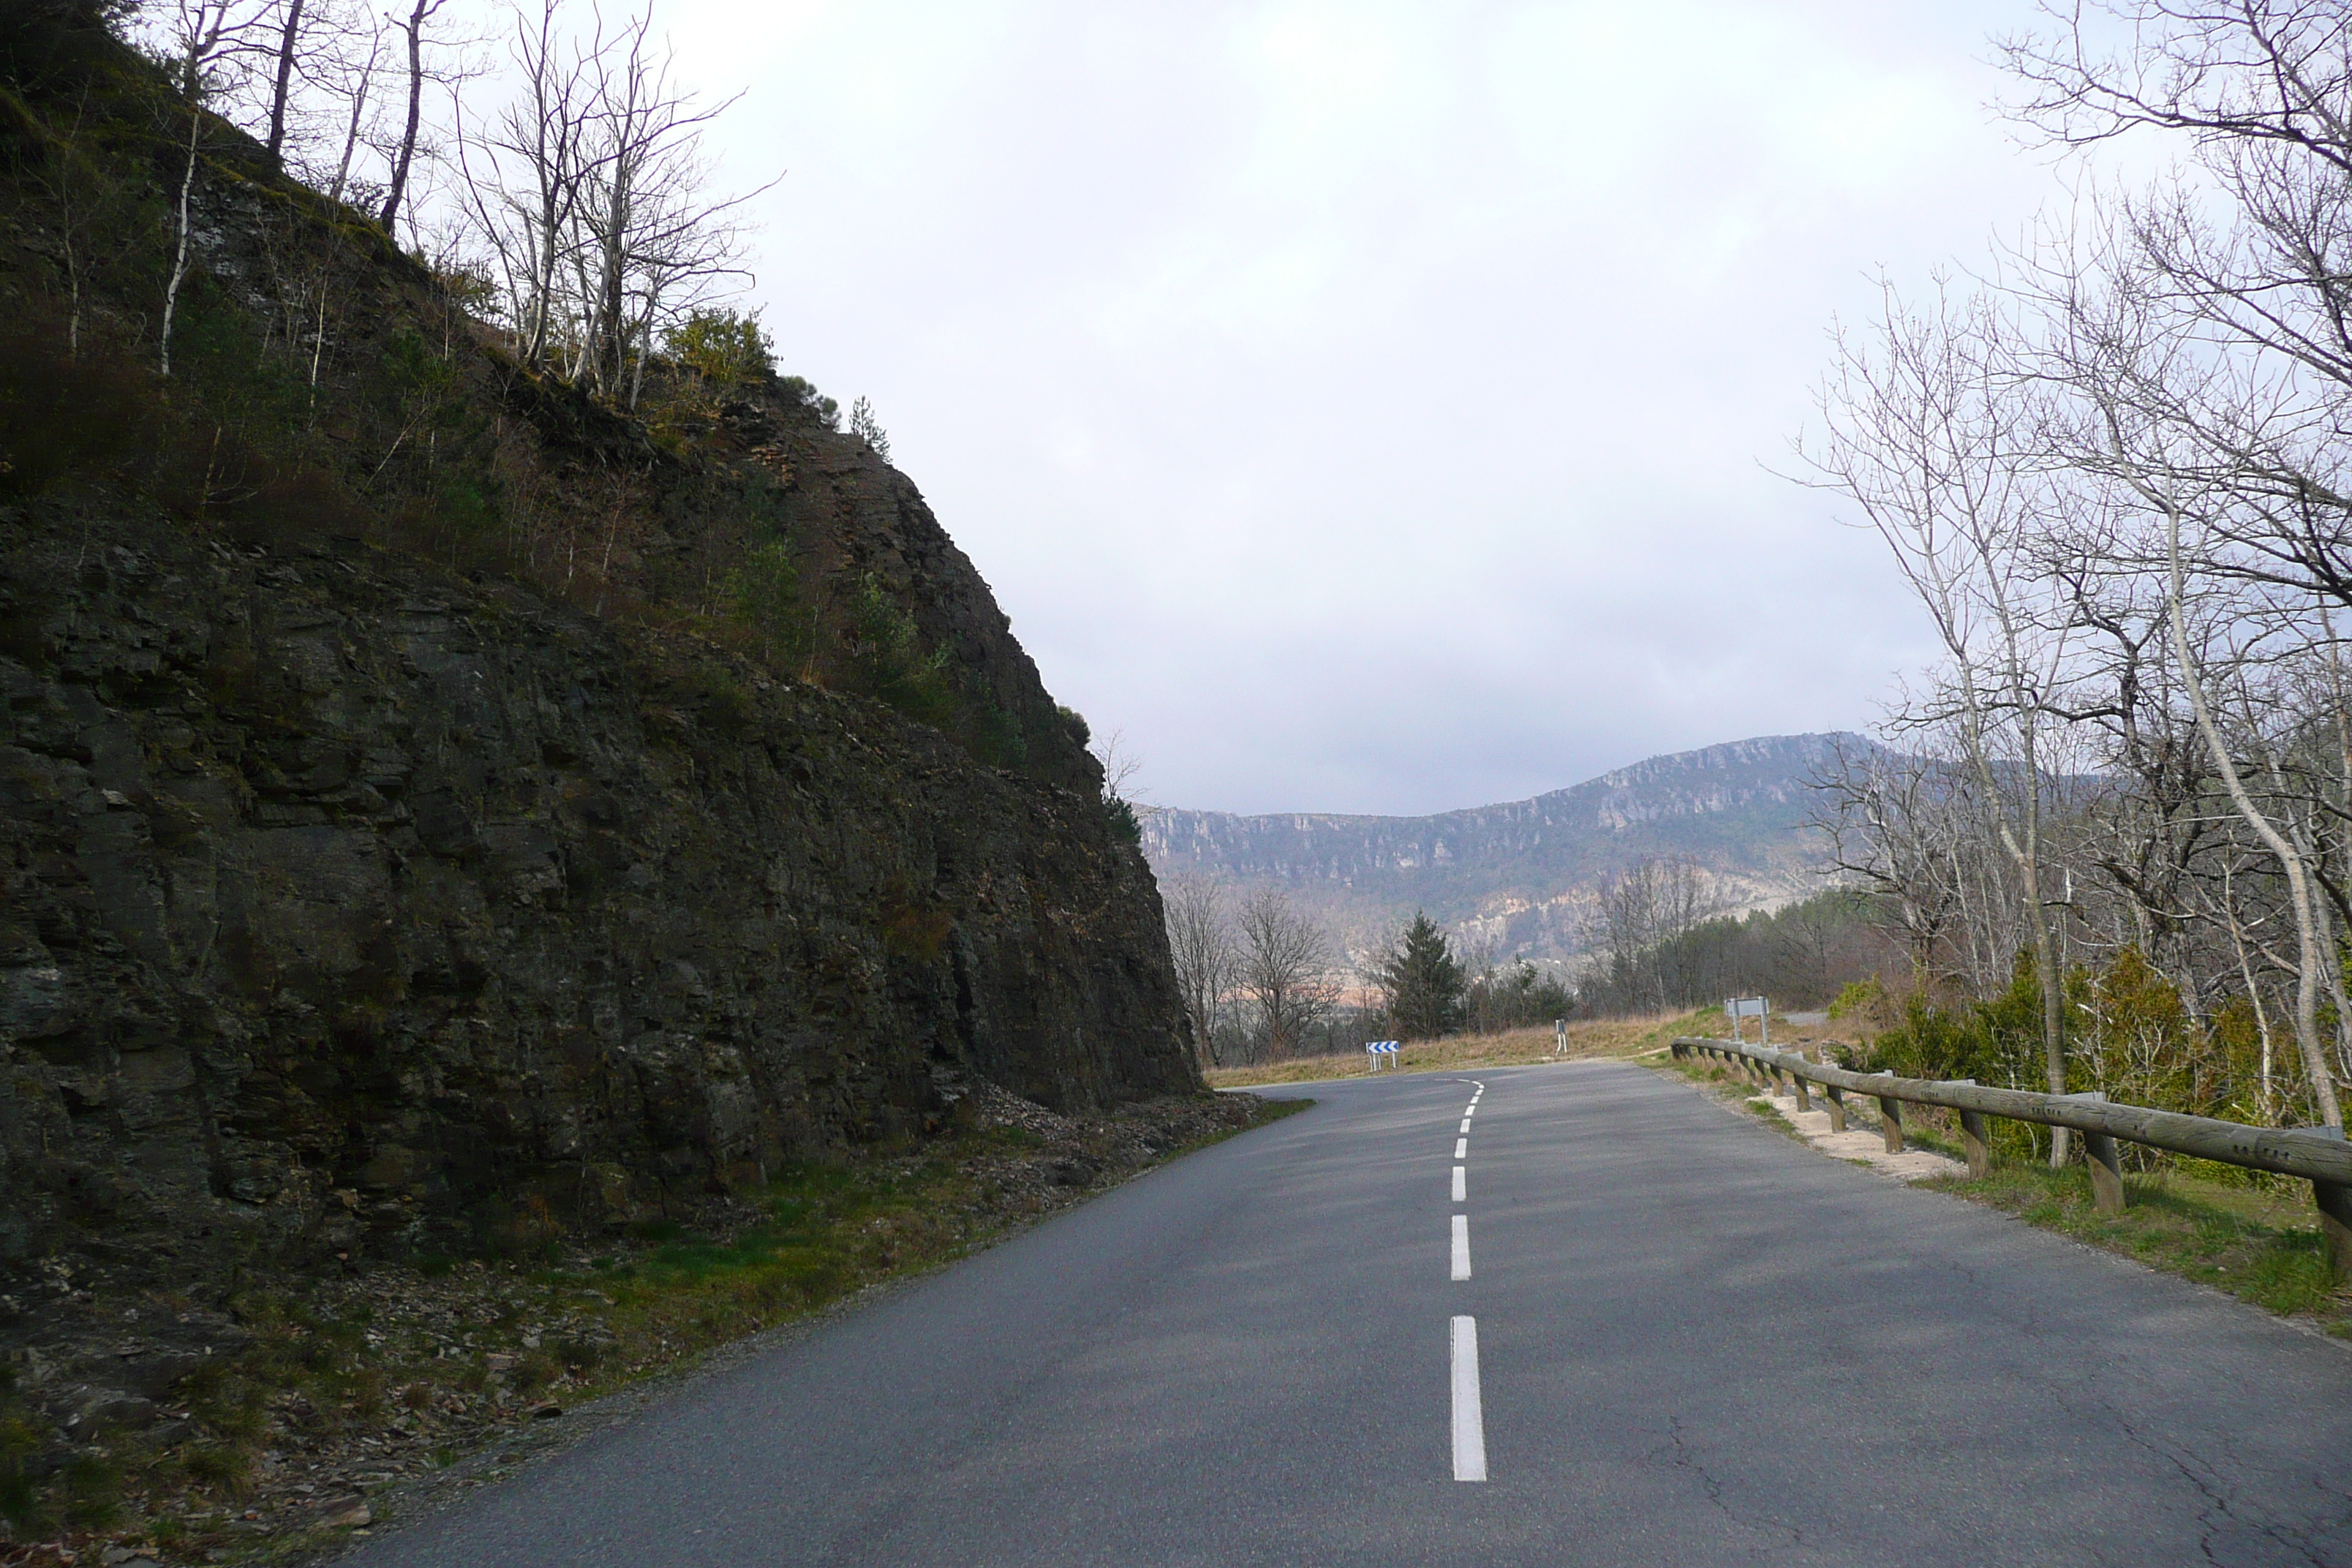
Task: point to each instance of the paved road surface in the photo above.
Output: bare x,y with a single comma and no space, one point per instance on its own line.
1695,1343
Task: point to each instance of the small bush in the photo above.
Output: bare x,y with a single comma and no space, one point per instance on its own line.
93,1491
219,1466
535,1371
62,416
20,1453
812,403
729,347
887,662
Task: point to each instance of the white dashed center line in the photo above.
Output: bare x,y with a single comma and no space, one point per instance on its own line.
1462,1148
1461,1183
1469,1421
1461,1247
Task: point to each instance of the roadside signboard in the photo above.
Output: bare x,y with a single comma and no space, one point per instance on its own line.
1755,1007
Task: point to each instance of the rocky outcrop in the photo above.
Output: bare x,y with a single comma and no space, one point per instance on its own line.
346,905
854,518
1520,876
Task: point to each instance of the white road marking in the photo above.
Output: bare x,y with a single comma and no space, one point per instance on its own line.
1462,1148
1461,1183
1465,1125
1461,1247
1469,1420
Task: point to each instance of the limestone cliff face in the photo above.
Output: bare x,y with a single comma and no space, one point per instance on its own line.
1521,876
350,905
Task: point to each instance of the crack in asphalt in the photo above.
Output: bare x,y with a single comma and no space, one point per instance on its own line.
1684,1457
2218,1506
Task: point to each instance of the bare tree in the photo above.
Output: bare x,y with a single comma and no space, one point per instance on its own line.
2212,373
591,195
1285,970
362,80
405,151
1892,821
1207,962
1934,435
208,37
85,202
1639,919
289,39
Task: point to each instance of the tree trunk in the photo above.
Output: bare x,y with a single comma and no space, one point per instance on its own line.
180,253
415,27
276,147
2309,957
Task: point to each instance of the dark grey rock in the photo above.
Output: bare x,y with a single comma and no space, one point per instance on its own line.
347,908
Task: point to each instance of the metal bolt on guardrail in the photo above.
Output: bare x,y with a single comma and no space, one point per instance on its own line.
2319,1155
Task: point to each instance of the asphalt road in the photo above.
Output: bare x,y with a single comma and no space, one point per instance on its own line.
1697,1343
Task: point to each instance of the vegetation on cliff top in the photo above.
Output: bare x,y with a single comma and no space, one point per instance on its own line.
324,384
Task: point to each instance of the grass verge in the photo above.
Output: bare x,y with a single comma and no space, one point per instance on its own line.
2258,1239
1512,1047
2259,1243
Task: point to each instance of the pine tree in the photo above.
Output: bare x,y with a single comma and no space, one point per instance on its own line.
863,425
1422,978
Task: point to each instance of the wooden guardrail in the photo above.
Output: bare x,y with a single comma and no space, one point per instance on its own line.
2317,1155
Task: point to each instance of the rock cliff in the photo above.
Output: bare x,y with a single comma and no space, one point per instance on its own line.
347,904
1520,876
439,805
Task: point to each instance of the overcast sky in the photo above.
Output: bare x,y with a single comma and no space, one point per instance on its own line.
1366,408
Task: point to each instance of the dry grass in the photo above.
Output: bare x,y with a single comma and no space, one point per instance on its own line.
1512,1047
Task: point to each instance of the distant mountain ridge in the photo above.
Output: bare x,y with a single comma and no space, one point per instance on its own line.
1518,877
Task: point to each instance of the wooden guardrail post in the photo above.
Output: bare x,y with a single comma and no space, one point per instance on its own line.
1890,1122
1837,1107
1797,1082
2106,1164
2334,1201
2106,1173
2335,1227
1972,1135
